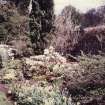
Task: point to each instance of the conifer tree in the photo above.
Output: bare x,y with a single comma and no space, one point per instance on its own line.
41,23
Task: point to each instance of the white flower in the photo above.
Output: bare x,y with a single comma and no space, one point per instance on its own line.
29,99
51,49
46,52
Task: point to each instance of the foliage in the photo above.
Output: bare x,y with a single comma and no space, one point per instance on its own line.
95,63
66,34
94,17
33,95
71,34
87,86
12,71
14,28
41,24
73,16
9,26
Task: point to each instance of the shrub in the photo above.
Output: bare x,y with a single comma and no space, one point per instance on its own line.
33,95
12,71
88,83
14,28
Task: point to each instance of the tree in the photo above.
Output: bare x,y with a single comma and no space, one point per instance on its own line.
14,27
41,24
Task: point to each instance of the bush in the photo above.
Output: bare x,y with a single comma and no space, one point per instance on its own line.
14,28
37,95
88,83
12,71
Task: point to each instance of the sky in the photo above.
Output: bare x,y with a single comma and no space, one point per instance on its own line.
81,5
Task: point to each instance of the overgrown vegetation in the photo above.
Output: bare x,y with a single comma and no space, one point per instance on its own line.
41,24
73,31
14,28
88,86
37,95
50,78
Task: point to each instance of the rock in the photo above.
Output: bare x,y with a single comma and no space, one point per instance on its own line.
4,53
4,100
7,52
